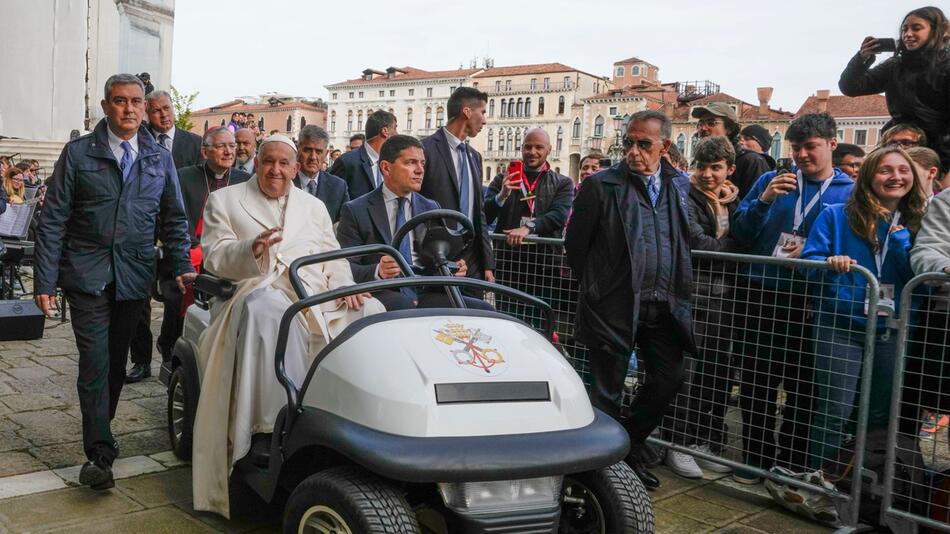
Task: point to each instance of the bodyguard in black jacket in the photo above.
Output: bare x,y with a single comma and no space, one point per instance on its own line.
628,245
96,241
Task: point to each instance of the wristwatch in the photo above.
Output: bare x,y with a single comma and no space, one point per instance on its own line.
530,225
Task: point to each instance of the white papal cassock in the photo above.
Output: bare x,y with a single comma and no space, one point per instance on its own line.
240,394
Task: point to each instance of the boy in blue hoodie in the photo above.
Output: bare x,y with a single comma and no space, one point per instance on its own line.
773,220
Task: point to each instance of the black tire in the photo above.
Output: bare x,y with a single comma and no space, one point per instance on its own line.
365,503
182,388
615,502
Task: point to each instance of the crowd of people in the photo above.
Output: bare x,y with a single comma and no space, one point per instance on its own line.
244,206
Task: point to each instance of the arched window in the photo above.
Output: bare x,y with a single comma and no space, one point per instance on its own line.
491,107
527,107
222,122
692,145
428,118
409,120
349,121
599,126
359,120
560,140
510,142
501,141
560,105
439,115
260,124
290,123
490,135
303,122
333,121
776,150
503,108
511,107
540,106
681,143
576,129
519,108
517,144
635,71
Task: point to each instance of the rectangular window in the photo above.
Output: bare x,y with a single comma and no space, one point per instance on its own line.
351,94
841,136
382,94
567,82
361,94
412,92
428,91
547,83
451,89
507,85
534,84
498,85
612,111
392,92
334,96
860,137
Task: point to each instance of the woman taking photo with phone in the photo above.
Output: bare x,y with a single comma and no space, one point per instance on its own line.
873,229
915,81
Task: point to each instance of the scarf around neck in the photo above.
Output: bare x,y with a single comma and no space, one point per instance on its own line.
718,201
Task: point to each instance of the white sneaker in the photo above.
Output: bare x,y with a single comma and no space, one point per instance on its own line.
683,464
707,464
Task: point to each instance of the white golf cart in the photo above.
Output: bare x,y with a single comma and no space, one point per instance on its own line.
445,420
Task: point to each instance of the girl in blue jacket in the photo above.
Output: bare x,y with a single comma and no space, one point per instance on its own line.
874,229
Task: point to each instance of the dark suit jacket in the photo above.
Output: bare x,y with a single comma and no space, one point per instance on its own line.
194,193
356,169
332,191
554,194
441,185
605,231
186,148
364,221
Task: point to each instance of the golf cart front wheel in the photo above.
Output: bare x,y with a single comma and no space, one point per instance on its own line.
182,404
611,500
348,500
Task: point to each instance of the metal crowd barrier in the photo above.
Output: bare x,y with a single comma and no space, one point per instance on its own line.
753,392
917,469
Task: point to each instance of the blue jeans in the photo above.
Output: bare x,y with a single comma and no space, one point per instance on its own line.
839,354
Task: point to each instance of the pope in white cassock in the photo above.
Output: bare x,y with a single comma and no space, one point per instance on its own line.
251,234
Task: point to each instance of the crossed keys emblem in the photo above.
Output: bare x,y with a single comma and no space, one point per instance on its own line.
472,351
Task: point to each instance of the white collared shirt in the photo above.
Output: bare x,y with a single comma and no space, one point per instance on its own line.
247,166
305,180
454,143
115,144
391,202
374,164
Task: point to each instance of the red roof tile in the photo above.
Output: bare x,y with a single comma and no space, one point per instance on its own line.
633,60
411,73
514,70
847,106
238,105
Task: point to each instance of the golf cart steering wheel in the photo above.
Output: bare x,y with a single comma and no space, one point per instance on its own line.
441,243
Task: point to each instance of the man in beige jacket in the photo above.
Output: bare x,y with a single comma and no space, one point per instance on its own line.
252,233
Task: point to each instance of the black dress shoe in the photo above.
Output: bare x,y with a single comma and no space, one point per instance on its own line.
97,475
648,479
648,456
139,371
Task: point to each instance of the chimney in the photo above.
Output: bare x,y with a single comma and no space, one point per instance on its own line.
765,94
823,96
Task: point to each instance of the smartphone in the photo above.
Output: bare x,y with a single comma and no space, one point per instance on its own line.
516,167
605,163
783,166
886,44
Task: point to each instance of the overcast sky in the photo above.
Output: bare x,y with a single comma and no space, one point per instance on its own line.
228,48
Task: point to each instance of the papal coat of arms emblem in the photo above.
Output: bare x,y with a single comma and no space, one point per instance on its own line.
470,348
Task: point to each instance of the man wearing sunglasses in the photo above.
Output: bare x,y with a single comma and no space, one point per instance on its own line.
628,246
719,119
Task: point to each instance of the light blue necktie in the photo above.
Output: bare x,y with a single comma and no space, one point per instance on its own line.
465,183
653,189
403,246
126,163
312,187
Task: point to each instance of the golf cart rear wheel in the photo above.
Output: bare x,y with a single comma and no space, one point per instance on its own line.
611,500
348,500
182,403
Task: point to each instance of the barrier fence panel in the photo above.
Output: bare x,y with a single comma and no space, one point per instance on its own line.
917,469
785,354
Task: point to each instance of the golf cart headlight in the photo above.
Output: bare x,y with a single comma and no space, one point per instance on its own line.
501,495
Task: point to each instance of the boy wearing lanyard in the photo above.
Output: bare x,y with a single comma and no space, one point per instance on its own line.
774,220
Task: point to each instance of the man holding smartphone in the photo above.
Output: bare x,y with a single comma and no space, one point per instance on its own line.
530,200
773,220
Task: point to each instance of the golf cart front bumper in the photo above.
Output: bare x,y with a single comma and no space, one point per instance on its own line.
465,458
